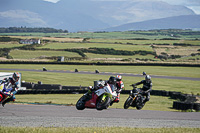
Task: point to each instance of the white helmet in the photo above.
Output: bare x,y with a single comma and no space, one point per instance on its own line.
119,77
147,78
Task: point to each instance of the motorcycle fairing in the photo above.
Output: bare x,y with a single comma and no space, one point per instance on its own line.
92,102
108,89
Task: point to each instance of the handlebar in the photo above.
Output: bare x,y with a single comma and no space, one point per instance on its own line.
134,86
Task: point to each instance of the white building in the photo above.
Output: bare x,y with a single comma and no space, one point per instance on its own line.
30,41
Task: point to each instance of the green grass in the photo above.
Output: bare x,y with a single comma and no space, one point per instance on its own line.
113,35
193,72
155,103
10,45
96,130
76,79
148,42
27,54
97,45
111,57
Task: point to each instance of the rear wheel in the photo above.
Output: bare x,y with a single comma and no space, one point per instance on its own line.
103,103
128,102
80,105
139,104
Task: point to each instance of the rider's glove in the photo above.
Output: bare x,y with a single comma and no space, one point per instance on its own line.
133,85
144,92
119,90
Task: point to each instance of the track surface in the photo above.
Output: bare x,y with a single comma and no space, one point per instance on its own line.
68,116
104,73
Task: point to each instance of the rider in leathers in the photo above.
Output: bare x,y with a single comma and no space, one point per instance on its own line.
117,85
14,85
147,87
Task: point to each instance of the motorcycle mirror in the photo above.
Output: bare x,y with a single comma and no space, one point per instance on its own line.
144,73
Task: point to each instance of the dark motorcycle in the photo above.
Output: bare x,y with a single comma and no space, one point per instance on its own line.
135,99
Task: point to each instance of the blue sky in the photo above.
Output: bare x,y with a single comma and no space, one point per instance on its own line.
192,4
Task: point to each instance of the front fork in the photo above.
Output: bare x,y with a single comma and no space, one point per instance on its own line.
132,96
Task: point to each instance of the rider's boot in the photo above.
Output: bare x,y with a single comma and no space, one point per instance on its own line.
144,101
111,103
6,101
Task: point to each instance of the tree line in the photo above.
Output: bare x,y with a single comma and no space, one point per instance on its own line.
26,29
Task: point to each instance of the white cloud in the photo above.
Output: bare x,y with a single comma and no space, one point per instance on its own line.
196,9
23,16
53,1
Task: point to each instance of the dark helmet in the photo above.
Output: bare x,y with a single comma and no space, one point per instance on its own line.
112,80
16,76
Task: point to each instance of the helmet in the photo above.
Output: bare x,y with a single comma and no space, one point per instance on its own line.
16,76
112,80
147,78
119,77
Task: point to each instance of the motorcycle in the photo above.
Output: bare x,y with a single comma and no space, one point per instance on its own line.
98,97
135,99
4,94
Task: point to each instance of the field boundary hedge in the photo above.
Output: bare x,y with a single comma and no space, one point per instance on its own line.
99,63
184,101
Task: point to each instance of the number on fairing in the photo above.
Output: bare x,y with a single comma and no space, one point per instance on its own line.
100,92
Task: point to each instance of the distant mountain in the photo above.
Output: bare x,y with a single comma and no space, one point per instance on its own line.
177,22
84,15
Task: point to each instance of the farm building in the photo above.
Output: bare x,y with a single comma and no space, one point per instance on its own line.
61,58
30,41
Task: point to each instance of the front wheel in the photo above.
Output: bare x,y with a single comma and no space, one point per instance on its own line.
80,105
128,102
103,102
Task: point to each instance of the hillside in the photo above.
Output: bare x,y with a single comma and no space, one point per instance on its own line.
177,22
87,15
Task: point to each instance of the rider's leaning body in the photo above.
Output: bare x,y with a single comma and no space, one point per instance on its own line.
147,87
12,85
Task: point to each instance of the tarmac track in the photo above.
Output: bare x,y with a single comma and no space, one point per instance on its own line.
19,115
104,73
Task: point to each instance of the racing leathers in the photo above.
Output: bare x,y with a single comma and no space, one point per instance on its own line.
120,87
11,89
147,87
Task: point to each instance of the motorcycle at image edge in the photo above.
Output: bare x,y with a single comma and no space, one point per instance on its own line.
3,95
99,98
135,99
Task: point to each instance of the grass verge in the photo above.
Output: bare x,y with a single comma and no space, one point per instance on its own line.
155,103
96,130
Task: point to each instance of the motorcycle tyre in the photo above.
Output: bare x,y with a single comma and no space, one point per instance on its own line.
104,105
139,104
81,106
127,103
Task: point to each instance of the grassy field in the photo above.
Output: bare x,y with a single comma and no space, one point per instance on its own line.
39,54
177,34
147,42
96,130
97,45
155,103
10,44
124,41
76,79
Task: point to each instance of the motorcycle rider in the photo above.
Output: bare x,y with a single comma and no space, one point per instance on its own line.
11,82
117,85
120,86
147,87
